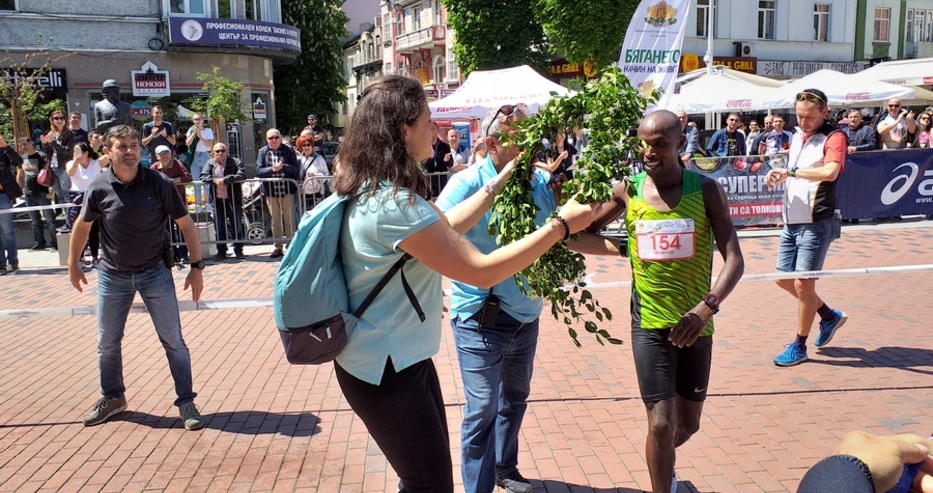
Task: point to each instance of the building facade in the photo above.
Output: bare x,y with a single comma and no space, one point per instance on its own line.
155,50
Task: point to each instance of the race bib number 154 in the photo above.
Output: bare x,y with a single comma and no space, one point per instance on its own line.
665,239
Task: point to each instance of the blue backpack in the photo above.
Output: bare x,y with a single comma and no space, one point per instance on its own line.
310,302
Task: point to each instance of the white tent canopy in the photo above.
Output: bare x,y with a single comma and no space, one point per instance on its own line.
916,72
715,93
493,88
845,89
725,72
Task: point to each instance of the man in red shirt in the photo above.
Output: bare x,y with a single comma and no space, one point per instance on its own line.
174,169
817,156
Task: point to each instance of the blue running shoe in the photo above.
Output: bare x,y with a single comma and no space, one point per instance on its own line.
828,328
793,355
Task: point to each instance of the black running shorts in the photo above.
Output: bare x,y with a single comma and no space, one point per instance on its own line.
664,369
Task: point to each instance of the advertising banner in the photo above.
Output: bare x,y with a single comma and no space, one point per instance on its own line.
886,184
751,202
651,50
203,31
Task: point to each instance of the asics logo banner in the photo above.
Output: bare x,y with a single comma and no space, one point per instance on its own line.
890,194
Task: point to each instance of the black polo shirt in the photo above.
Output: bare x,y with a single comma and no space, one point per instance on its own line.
133,218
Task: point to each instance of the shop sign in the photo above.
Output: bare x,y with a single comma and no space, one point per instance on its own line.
691,61
800,69
200,31
151,82
53,81
140,110
259,109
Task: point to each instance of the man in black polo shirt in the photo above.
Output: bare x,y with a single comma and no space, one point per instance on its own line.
133,205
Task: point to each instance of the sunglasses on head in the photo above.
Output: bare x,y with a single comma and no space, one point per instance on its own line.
810,97
505,110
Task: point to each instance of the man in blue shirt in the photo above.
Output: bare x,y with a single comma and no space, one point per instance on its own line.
727,141
495,330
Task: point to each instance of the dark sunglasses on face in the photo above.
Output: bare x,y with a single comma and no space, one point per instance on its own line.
810,97
58,118
506,110
274,137
219,151
894,106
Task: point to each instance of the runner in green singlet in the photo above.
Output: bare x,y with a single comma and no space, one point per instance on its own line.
672,216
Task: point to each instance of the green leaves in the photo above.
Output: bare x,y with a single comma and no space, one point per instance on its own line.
608,107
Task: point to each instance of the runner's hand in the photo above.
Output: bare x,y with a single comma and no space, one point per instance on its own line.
690,326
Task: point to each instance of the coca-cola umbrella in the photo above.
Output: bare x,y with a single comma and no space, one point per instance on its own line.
717,93
845,89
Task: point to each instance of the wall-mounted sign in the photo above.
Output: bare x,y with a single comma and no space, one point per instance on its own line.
140,110
799,69
52,82
692,61
202,31
259,108
149,81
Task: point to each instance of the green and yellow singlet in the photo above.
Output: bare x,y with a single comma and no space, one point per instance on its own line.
671,255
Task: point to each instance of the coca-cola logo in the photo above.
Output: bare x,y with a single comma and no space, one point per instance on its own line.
739,103
857,96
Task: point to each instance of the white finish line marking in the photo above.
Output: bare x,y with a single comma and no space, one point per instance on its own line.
240,303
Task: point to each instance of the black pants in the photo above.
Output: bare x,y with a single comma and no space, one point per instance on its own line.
405,415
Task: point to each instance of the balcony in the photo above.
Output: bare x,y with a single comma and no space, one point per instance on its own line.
422,38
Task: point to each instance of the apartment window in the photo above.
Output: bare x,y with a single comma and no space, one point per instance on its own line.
821,22
882,24
766,19
439,69
452,69
413,17
703,13
189,7
929,28
437,13
7,4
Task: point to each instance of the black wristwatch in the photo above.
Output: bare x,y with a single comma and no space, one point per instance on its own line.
712,301
200,264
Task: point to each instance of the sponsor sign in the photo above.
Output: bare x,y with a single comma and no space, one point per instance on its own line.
651,50
52,82
751,202
886,184
150,82
201,31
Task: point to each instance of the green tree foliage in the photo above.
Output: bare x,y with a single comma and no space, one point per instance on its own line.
586,32
224,102
496,34
315,82
608,106
20,96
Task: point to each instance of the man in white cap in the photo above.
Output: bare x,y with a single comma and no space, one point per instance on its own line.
178,173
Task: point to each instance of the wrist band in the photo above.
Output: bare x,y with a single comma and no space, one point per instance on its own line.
792,173
563,223
491,188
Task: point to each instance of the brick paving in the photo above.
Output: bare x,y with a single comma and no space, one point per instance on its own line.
275,427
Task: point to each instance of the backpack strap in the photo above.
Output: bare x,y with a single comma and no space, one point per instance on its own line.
396,267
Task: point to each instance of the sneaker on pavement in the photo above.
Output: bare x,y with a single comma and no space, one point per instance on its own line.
828,328
276,253
793,355
190,416
219,257
103,410
514,483
37,247
240,255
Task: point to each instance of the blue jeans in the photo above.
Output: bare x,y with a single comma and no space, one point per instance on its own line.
496,364
115,294
7,233
35,217
803,247
197,164
62,185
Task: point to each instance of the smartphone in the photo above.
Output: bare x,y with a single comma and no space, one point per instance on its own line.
490,311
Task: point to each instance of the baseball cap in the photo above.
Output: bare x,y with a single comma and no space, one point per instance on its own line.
312,116
163,148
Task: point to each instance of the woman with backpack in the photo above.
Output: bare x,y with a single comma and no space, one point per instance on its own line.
385,370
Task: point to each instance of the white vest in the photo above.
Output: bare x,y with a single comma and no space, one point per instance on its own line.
807,201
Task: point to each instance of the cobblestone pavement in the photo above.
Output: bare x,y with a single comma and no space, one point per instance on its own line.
275,427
